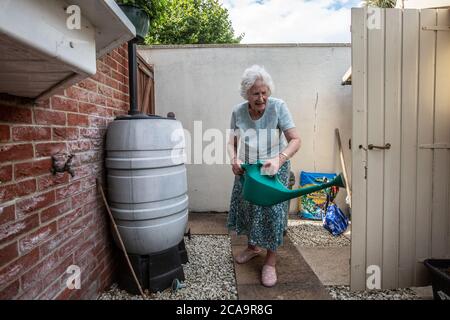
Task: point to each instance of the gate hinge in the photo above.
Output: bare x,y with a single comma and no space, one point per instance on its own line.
436,28
435,146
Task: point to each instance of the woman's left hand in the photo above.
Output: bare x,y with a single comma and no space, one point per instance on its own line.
271,166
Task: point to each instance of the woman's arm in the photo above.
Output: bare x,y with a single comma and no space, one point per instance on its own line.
294,142
232,152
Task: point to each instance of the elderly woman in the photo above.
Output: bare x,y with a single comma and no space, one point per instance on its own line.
263,129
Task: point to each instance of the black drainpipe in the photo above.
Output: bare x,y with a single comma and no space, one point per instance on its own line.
132,74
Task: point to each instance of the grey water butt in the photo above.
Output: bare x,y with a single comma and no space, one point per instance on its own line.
147,193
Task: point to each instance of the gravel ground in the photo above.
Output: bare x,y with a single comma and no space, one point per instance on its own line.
209,273
344,293
308,233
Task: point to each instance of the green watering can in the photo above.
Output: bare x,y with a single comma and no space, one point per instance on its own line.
266,190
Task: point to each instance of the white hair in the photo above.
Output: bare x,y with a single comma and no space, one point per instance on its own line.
250,76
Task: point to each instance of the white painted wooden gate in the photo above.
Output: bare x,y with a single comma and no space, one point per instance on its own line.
401,97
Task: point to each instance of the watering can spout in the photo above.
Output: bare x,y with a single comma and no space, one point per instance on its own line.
264,190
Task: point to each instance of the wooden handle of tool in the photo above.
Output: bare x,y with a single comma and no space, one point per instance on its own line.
344,168
120,238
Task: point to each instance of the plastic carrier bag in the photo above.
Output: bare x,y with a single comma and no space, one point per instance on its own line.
313,205
335,220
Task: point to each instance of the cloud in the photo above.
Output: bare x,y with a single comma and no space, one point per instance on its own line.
291,21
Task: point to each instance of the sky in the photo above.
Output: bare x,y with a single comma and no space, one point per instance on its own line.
291,21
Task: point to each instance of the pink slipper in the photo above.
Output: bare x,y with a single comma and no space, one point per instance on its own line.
247,255
268,276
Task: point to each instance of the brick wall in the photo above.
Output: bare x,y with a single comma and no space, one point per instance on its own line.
49,222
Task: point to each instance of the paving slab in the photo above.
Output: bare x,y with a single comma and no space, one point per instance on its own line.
207,223
296,279
336,270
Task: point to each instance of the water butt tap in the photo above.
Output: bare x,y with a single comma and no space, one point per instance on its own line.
177,284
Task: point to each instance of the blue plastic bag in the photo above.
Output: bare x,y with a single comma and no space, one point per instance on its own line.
335,220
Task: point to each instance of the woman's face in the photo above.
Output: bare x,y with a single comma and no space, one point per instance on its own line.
257,96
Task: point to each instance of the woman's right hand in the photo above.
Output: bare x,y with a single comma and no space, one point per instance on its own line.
236,166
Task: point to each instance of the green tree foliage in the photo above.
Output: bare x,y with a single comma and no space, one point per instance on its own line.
190,22
381,3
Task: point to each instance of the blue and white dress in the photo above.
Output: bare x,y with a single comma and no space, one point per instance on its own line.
260,139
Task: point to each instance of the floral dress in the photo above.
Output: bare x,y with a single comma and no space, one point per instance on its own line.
264,226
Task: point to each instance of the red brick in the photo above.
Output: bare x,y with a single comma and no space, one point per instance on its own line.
49,149
43,104
15,190
34,239
117,76
36,202
68,191
10,291
31,133
112,83
54,243
97,122
120,96
31,293
92,109
60,271
84,197
15,114
64,295
122,69
74,119
77,146
69,218
26,187
13,230
88,84
88,183
123,53
5,174
117,104
70,246
50,117
97,99
7,214
8,253
38,272
110,62
10,152
51,291
52,180
92,133
100,77
16,268
124,88
55,211
103,68
7,192
118,57
4,133
32,169
65,133
64,104
105,90
83,171
78,94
